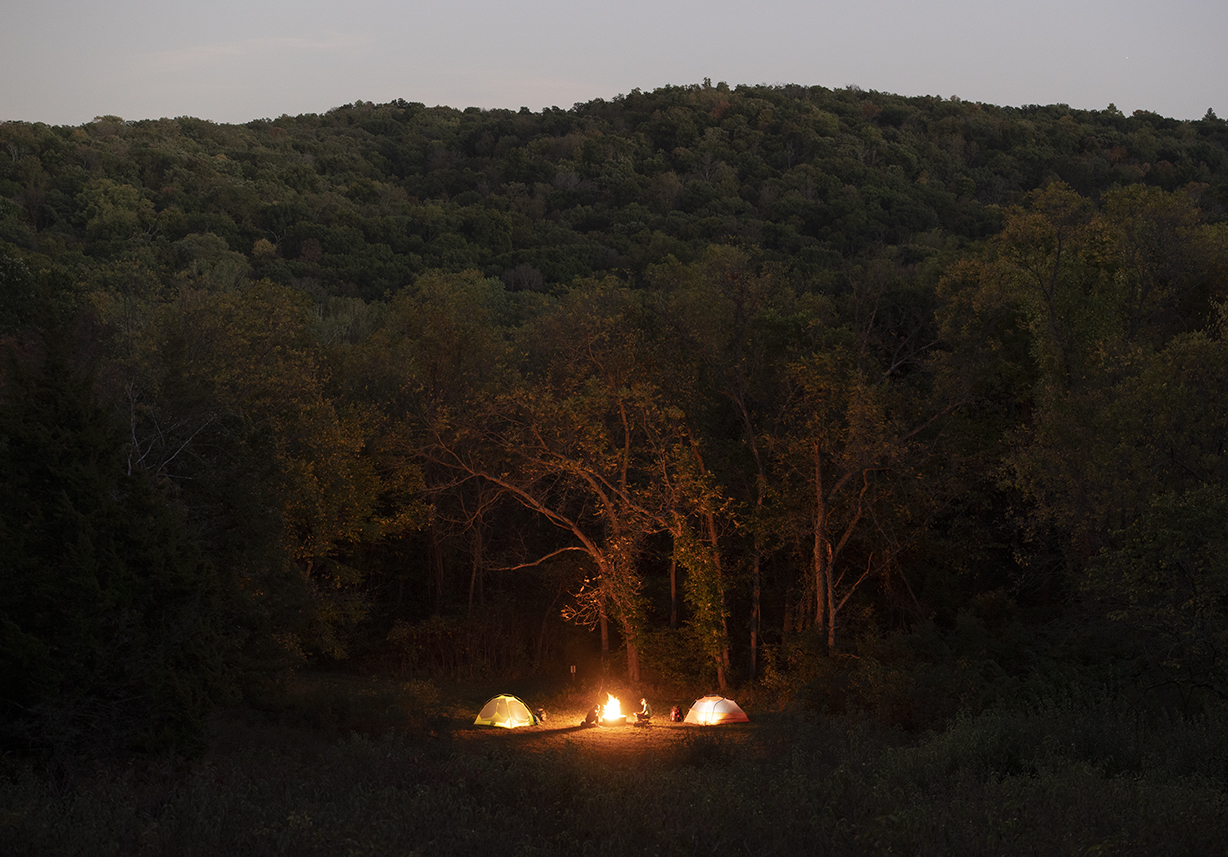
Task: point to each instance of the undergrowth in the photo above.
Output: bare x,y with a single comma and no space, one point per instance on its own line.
1079,773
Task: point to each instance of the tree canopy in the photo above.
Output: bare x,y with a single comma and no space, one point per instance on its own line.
731,374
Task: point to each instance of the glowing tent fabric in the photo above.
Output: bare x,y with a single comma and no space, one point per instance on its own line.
715,709
507,711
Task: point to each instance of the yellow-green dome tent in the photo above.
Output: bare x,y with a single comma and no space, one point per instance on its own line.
507,711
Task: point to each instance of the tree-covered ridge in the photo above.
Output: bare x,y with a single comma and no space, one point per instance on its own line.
744,379
365,197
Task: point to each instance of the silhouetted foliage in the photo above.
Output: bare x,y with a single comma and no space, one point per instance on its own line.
738,368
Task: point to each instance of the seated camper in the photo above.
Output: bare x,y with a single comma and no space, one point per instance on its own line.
645,712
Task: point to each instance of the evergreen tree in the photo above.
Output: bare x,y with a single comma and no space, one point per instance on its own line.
112,632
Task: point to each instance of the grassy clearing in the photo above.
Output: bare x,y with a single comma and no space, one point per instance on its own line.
1079,775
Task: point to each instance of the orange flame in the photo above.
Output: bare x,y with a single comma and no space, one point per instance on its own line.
612,710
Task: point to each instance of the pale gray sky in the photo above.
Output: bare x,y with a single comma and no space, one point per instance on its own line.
66,61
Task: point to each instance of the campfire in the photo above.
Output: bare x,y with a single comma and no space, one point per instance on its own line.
611,713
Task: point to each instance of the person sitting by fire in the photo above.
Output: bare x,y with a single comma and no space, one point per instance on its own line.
593,717
645,712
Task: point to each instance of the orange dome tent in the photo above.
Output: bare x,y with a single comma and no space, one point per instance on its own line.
716,709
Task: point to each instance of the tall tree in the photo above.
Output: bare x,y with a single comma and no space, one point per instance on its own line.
441,353
113,624
576,442
858,443
732,321
226,400
1166,580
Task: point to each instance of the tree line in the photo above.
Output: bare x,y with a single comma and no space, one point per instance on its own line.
733,377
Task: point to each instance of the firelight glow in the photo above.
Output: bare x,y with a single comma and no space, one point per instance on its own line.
612,710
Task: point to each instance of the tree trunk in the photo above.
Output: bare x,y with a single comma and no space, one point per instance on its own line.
755,617
831,603
722,665
673,593
822,552
475,574
438,567
633,654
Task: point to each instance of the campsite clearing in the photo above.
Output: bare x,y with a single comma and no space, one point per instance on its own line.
629,744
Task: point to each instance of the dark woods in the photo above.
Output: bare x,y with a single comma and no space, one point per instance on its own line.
865,401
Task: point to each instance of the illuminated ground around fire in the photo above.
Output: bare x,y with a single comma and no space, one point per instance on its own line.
629,742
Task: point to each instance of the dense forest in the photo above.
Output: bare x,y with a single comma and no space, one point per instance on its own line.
861,400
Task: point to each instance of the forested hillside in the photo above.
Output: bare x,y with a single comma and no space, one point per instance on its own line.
859,399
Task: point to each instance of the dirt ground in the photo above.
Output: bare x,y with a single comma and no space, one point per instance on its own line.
624,742
338,703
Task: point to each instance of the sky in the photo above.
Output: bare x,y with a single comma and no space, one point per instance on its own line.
65,62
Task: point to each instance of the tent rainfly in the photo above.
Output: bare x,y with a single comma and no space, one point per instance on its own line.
716,709
507,711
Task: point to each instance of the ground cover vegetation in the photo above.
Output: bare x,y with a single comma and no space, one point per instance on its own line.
906,414
1079,773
